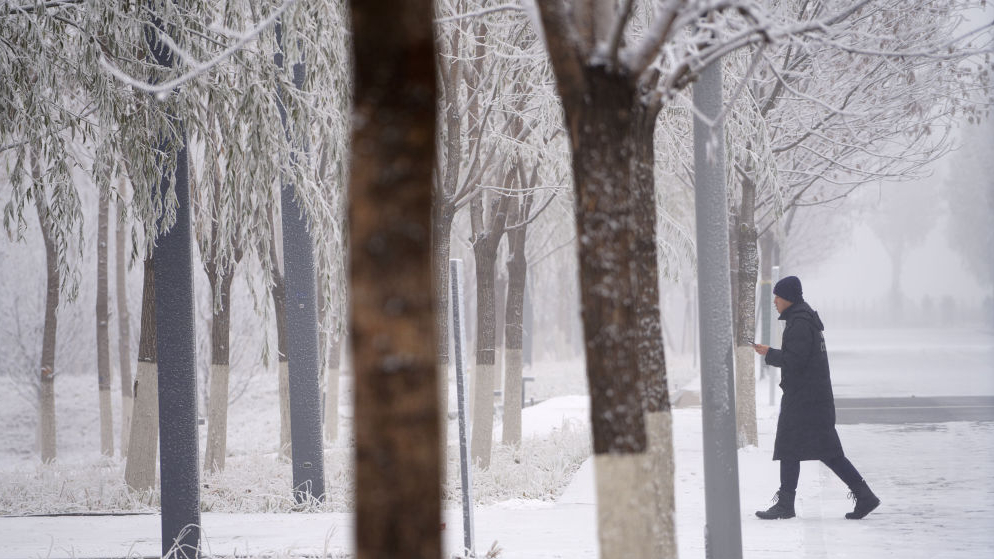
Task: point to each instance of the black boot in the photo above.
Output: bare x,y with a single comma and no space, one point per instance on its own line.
866,501
783,508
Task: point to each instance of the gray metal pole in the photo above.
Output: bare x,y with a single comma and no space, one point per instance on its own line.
723,530
176,345
459,341
303,360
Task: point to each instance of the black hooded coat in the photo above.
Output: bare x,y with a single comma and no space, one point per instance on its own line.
806,427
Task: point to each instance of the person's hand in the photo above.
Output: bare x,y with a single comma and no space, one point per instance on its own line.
761,349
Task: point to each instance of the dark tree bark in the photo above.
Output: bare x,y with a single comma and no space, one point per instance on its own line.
649,335
139,472
519,213
396,425
608,233
46,396
103,331
651,353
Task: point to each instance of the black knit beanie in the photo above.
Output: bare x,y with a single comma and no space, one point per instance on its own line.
789,288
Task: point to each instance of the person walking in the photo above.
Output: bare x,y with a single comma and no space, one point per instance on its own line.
806,426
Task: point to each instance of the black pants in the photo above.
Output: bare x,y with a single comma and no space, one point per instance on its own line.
790,470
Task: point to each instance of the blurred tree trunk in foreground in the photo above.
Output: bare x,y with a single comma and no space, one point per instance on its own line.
398,509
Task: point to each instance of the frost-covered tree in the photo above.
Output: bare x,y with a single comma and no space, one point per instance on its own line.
46,394
615,72
871,101
123,321
103,331
495,100
143,447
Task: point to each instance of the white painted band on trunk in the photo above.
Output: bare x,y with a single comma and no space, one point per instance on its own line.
284,382
127,403
625,508
331,405
46,427
512,397
659,429
143,446
106,423
483,415
217,419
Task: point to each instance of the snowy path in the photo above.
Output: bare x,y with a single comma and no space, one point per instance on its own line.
936,481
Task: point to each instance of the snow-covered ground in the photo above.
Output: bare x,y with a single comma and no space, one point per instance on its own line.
936,480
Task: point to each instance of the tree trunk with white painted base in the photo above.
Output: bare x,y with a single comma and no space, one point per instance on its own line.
143,443
286,448
217,415
123,328
607,230
517,277
46,394
278,292
486,239
621,482
102,331
745,317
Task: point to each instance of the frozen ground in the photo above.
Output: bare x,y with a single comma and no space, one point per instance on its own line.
936,481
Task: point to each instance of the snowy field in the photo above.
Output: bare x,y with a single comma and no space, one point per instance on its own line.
936,480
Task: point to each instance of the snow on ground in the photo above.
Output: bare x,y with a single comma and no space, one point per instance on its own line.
936,480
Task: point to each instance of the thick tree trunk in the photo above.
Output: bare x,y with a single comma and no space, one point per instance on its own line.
649,336
139,472
398,509
103,334
123,329
598,118
217,419
486,323
745,314
46,396
517,272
